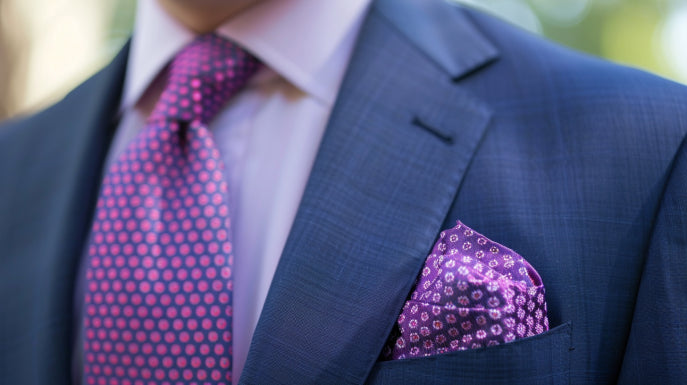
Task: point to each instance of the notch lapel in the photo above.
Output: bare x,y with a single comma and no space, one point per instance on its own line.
395,150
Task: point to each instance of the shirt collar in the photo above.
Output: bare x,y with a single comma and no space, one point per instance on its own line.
308,42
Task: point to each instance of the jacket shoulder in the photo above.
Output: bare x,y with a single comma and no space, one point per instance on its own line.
576,85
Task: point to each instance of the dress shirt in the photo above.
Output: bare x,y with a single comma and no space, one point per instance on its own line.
268,134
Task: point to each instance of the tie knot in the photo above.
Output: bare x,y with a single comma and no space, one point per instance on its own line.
203,76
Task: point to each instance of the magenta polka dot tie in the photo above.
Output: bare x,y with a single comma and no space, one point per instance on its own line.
158,301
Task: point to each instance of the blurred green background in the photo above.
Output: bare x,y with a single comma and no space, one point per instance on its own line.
650,34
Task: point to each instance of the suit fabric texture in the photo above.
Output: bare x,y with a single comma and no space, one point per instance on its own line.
445,113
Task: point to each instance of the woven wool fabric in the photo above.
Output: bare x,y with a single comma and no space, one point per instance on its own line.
472,293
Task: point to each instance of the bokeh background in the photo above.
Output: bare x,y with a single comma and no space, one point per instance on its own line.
49,46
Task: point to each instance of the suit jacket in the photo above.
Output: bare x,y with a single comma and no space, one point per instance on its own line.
445,113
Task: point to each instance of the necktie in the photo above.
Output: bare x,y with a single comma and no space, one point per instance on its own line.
158,301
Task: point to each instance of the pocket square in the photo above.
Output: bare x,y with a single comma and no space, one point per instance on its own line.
472,292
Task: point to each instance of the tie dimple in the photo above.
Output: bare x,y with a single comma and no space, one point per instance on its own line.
158,301
202,77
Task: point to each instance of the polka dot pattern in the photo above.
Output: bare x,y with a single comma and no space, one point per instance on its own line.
472,293
158,301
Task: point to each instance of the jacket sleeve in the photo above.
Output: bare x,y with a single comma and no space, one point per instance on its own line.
656,351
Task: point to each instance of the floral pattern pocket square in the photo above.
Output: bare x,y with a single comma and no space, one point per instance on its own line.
472,293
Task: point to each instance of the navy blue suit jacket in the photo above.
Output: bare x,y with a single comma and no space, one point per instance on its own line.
445,113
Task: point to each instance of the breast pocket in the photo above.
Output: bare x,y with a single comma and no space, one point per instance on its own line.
542,359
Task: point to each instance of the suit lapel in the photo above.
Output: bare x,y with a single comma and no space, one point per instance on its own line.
397,145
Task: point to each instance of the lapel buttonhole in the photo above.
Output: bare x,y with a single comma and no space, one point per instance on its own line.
444,137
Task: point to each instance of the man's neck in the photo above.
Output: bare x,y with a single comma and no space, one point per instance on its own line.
202,16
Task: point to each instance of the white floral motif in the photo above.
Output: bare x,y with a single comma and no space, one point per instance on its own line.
477,295
521,313
521,329
493,301
492,286
520,300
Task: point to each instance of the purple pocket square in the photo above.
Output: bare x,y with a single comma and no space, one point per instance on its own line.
472,293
